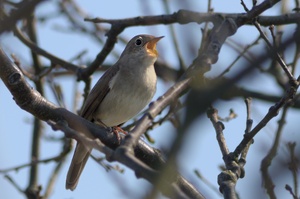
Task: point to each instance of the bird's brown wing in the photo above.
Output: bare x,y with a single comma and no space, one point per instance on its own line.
92,102
98,93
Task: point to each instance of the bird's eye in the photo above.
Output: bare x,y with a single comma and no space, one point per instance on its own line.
138,42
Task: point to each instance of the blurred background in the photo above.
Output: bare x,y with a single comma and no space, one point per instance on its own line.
61,30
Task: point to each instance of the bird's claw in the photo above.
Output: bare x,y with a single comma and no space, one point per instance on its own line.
116,130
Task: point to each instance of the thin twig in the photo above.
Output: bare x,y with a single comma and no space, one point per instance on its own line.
290,189
212,114
40,51
273,111
67,143
174,38
241,54
207,182
276,54
35,162
294,166
14,183
249,123
268,159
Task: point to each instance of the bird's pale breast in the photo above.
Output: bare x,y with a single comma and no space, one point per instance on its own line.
124,102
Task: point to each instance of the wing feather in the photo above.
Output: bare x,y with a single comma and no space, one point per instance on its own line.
98,93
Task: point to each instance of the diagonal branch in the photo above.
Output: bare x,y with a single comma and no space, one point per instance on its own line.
35,48
32,102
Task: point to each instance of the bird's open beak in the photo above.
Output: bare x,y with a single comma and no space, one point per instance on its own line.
151,45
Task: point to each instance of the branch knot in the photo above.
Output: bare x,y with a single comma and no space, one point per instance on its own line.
14,78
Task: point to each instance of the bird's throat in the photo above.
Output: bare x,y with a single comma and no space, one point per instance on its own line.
151,48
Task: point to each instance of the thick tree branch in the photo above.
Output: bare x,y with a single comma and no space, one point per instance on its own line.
145,161
186,16
32,102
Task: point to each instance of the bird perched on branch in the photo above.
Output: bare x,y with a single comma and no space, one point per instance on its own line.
120,94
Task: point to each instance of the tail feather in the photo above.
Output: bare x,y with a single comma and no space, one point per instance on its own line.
79,160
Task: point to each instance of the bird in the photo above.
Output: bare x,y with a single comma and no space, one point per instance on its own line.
121,93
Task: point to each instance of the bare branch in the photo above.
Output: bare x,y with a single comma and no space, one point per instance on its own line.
186,16
24,9
29,100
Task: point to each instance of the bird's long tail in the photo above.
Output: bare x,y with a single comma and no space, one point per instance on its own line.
79,160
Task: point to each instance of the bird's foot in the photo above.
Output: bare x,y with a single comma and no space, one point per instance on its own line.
116,130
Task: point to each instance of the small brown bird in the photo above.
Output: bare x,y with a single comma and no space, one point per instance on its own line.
120,94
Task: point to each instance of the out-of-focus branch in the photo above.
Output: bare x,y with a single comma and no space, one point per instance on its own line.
40,51
208,56
268,159
290,189
192,77
241,54
107,48
75,14
274,52
200,65
31,101
14,183
35,162
174,39
32,188
25,8
273,111
294,167
186,16
141,158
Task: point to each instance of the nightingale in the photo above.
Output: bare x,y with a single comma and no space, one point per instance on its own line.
120,94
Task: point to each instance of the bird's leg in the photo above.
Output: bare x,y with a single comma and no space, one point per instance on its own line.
116,130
